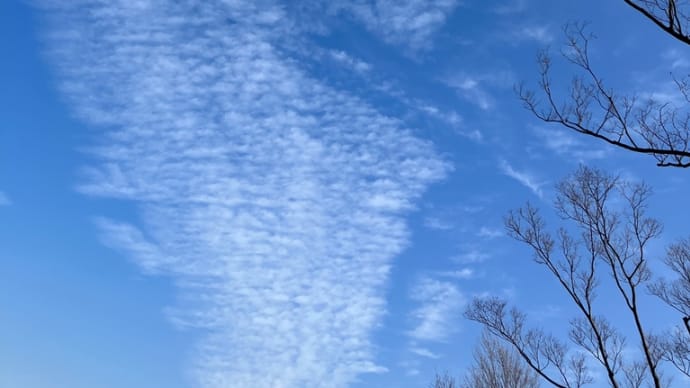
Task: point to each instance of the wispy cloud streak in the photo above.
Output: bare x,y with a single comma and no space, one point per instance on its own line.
539,34
346,60
439,310
408,22
524,178
4,199
275,201
568,146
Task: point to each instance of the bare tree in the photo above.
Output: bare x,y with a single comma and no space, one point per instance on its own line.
496,366
648,126
614,232
676,294
444,381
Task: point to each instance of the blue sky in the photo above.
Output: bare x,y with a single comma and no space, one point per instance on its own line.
232,194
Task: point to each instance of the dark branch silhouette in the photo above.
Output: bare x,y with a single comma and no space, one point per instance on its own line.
610,245
666,15
496,366
444,381
651,127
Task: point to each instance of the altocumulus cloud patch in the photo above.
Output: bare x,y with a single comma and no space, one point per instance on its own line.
275,201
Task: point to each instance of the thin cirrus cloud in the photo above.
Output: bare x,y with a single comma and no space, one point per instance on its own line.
523,177
4,199
489,232
440,305
459,274
438,223
474,88
678,59
275,201
538,34
348,61
472,256
410,23
424,352
568,146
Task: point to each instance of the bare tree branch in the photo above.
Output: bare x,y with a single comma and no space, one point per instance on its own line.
443,381
676,294
652,127
509,326
615,231
666,15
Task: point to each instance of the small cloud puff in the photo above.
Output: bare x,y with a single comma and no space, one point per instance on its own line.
460,274
471,256
4,199
539,34
349,61
489,233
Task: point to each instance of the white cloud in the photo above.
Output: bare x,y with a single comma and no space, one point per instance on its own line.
119,235
472,90
424,352
452,117
407,22
275,202
460,274
472,256
347,60
439,313
473,135
562,143
471,209
487,232
677,59
437,223
412,372
524,178
540,34
661,92
4,199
